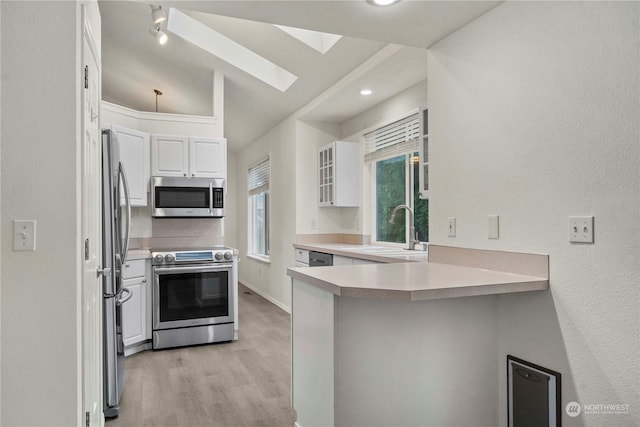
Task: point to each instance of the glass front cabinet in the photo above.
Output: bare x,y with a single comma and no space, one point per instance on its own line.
339,174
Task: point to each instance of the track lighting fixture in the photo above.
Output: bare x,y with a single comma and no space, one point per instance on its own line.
158,14
160,35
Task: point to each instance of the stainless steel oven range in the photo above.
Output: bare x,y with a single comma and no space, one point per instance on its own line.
195,296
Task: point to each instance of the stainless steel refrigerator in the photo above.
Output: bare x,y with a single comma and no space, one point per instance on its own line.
116,220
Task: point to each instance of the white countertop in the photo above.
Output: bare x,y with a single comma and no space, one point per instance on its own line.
409,281
382,254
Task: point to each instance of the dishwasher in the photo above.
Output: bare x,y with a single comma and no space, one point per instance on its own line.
320,259
305,258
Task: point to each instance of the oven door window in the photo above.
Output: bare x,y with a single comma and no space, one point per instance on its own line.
182,197
198,295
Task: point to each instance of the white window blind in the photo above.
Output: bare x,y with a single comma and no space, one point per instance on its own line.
398,137
258,178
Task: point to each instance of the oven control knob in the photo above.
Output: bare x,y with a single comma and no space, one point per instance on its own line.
169,258
218,256
158,259
228,255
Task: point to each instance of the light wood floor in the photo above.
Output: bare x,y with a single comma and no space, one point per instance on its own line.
243,383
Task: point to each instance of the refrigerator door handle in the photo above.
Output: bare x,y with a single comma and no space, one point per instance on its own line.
106,272
124,246
126,298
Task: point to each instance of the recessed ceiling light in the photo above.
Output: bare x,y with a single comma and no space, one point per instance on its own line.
382,2
366,92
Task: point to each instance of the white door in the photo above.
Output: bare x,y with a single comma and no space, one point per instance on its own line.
91,233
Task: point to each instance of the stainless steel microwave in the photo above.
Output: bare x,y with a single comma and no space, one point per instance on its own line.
187,197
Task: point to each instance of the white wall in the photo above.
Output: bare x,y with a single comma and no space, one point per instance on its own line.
40,165
270,279
310,219
534,115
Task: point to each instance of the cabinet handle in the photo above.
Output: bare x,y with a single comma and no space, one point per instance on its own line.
193,174
127,265
144,280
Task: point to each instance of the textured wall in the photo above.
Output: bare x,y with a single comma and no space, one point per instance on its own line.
534,116
270,279
40,180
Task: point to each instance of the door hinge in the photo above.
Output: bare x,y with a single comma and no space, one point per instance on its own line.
86,77
86,250
87,419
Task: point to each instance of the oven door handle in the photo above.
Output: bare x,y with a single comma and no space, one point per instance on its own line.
194,269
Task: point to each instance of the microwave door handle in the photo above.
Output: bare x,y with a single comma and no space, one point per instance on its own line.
210,196
125,242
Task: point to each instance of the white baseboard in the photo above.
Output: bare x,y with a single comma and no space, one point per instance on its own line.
266,296
296,424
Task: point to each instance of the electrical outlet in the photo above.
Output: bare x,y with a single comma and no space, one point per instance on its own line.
24,235
452,226
581,229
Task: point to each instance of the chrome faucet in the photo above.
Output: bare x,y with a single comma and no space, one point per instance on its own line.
412,231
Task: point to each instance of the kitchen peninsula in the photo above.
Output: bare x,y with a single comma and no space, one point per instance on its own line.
404,343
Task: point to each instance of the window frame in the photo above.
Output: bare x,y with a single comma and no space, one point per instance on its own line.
252,209
409,181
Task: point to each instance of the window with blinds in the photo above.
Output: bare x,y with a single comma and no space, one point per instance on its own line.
401,136
259,209
258,179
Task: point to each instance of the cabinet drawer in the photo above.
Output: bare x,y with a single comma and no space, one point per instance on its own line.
133,268
302,255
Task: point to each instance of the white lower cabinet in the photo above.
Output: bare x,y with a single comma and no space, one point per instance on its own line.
135,319
343,260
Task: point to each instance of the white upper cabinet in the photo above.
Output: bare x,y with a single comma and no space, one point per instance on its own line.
339,174
169,155
188,157
134,154
208,157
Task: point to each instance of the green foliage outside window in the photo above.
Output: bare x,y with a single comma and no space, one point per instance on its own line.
390,192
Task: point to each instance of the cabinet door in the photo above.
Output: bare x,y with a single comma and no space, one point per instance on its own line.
342,260
346,174
325,175
134,312
169,155
208,157
134,154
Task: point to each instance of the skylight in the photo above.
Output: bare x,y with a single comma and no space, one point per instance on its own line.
228,50
321,42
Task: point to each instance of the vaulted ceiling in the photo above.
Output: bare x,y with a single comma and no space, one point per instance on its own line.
134,64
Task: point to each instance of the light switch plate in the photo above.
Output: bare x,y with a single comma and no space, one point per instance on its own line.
24,235
493,227
581,229
452,226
